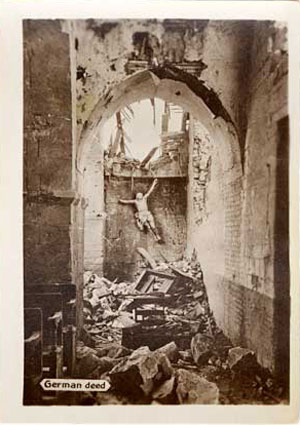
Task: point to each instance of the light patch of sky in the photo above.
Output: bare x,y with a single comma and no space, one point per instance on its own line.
143,131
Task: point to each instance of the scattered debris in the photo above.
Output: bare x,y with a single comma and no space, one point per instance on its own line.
86,365
157,342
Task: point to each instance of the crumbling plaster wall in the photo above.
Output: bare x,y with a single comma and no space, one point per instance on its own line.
220,49
206,214
95,215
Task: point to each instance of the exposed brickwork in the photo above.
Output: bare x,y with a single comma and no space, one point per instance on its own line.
242,305
243,302
232,195
207,215
201,168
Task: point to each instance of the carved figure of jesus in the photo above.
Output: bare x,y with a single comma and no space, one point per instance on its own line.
144,218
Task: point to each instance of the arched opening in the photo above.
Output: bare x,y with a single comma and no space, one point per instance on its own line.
210,176
202,104
147,140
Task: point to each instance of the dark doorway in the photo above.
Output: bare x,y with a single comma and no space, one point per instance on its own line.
281,255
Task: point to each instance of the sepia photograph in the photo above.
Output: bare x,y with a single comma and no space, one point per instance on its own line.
156,212
149,188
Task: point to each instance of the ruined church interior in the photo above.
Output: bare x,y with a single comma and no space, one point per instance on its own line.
156,211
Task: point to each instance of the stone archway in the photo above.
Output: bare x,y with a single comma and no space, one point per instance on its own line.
203,104
192,95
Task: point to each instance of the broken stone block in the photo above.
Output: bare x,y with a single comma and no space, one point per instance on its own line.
165,393
141,371
106,363
170,350
208,372
186,355
124,320
196,312
241,359
201,346
192,389
113,351
83,350
86,365
140,351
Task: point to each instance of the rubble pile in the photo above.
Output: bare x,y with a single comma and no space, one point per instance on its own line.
155,340
169,302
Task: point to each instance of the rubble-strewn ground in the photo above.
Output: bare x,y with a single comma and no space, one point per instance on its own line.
175,355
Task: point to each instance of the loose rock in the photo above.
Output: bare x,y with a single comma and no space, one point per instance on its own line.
241,359
201,346
106,363
165,394
86,365
192,389
170,350
141,371
113,351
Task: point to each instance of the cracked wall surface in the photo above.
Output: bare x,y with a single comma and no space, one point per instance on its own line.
215,50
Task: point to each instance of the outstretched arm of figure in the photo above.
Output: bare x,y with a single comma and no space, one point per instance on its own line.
124,201
151,188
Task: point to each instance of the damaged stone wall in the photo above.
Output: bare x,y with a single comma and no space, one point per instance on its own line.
265,184
109,51
215,51
47,153
95,216
248,297
168,206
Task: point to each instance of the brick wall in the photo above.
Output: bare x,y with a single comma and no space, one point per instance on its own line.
265,184
250,298
122,237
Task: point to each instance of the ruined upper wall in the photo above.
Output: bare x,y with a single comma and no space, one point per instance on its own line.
214,51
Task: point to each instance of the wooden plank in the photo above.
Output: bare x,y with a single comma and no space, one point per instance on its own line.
148,157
